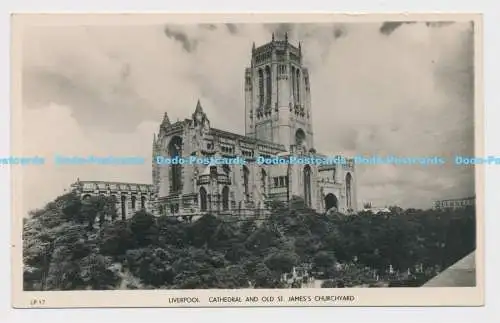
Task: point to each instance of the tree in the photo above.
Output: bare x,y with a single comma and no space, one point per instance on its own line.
171,232
200,232
64,250
281,261
144,228
324,260
98,272
263,277
116,239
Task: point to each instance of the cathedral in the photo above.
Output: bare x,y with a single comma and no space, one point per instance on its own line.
278,122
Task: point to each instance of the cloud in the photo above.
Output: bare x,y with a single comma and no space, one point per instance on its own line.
389,27
111,78
208,26
339,31
53,131
407,94
232,28
188,44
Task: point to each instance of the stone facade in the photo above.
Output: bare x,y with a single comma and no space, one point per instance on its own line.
278,117
130,198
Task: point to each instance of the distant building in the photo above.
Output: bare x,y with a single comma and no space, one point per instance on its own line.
129,197
375,210
455,203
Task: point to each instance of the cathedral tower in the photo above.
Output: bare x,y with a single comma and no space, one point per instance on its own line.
277,95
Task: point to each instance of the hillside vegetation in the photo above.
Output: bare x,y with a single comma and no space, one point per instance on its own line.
68,245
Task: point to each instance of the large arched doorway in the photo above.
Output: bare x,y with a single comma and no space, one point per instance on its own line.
307,185
175,149
203,199
225,198
331,201
348,190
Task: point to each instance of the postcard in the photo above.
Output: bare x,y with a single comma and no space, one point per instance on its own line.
247,160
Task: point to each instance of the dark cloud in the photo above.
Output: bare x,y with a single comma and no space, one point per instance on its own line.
208,26
339,31
232,28
439,23
188,44
389,27
125,72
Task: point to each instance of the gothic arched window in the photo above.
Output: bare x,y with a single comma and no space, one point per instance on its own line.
307,185
297,83
261,88
348,189
134,199
225,198
174,149
203,199
268,86
124,207
300,138
246,177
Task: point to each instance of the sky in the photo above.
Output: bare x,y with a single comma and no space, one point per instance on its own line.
387,88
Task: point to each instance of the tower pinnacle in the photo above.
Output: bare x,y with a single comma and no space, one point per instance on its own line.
198,109
166,120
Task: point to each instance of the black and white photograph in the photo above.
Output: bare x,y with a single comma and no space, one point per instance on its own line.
310,159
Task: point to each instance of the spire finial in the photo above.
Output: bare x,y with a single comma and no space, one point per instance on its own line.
166,120
198,109
272,37
253,46
286,36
